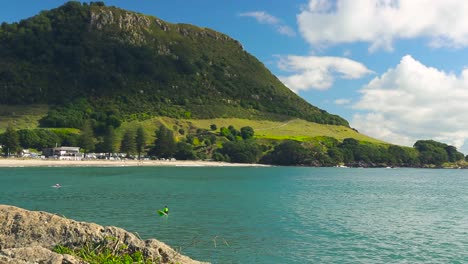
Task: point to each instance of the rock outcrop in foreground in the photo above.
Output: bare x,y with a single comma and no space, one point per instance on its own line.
28,237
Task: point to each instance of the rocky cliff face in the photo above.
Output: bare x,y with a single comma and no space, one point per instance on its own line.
28,237
139,29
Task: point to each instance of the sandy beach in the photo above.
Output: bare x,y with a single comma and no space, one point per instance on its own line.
116,163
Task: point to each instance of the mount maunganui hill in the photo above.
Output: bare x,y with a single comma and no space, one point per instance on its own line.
127,63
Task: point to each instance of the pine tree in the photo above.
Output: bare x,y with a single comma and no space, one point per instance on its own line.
109,140
164,145
10,141
86,140
128,144
140,141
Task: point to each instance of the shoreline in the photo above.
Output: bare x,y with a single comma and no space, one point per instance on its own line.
27,162
15,162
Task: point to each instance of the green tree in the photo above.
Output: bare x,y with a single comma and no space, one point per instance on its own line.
10,141
247,132
128,144
213,127
164,145
190,139
241,151
347,148
47,139
87,140
432,152
108,144
436,156
140,140
453,154
233,130
184,151
212,139
288,153
224,132
28,138
42,138
403,156
335,154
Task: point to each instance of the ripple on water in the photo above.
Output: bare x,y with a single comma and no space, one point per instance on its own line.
265,215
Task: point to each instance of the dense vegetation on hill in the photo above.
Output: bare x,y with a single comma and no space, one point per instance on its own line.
235,145
108,64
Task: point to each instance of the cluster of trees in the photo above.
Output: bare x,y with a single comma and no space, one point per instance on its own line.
132,142
232,145
75,113
362,154
201,144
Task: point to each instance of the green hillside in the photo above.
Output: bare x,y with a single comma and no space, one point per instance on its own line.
27,117
21,117
292,142
113,81
126,65
296,129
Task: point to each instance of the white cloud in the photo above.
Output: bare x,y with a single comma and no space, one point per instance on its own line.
262,17
380,22
318,72
265,18
285,30
414,101
342,101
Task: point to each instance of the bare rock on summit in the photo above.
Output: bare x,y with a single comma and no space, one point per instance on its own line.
28,237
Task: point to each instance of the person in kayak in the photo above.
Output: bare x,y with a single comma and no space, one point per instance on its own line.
166,210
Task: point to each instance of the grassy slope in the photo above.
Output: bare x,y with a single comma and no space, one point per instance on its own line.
294,129
28,116
21,116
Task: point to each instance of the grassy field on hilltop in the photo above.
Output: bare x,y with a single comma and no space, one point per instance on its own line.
295,129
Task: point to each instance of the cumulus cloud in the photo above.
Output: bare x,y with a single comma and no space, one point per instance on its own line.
265,18
314,72
413,101
380,22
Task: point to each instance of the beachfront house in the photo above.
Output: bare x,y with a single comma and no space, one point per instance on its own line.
63,153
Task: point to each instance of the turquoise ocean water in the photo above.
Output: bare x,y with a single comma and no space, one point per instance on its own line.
265,215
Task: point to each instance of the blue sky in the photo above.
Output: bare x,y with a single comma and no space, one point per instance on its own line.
396,69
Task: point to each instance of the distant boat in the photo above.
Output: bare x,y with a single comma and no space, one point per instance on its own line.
57,185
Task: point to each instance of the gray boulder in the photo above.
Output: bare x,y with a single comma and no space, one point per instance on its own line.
28,237
36,255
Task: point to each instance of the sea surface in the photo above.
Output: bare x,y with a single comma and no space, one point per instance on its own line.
264,214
